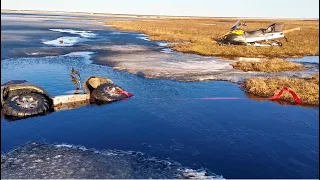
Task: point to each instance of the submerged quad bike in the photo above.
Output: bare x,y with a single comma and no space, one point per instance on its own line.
19,99
260,37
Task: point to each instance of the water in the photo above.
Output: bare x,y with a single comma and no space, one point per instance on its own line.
235,138
306,59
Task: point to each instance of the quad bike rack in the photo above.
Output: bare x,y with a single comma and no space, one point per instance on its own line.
20,99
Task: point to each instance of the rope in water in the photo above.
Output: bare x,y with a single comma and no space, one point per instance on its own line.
275,97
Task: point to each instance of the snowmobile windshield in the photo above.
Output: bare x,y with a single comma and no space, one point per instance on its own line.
235,26
275,27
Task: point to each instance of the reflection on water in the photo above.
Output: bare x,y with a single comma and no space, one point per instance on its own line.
241,138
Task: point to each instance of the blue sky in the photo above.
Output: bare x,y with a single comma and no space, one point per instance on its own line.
211,8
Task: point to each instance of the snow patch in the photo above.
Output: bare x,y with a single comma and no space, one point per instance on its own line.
162,44
63,41
143,37
86,34
167,50
68,40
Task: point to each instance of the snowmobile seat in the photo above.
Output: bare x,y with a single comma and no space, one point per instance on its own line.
254,33
271,29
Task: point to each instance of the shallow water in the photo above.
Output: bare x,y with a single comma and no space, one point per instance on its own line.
306,59
164,119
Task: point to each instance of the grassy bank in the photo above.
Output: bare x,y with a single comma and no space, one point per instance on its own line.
199,32
272,65
306,89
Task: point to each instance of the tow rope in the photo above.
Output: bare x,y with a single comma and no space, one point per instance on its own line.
125,93
275,97
294,95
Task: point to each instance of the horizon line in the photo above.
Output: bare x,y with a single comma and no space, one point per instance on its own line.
100,13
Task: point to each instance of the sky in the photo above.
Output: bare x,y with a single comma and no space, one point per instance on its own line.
208,8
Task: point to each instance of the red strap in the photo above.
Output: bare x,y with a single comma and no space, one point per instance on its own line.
294,95
126,93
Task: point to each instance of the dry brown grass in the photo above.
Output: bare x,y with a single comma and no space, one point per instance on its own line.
201,31
272,65
306,89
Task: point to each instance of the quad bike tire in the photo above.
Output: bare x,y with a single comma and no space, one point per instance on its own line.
103,94
22,105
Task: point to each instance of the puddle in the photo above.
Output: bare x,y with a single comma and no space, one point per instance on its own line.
306,59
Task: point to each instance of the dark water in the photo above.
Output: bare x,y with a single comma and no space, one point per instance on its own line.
234,138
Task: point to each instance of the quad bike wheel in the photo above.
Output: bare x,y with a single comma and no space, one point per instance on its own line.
106,92
25,105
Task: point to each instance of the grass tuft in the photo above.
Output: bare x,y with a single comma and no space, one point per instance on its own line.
273,65
307,89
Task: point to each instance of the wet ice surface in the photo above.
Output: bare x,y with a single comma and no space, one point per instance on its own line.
60,161
187,67
169,64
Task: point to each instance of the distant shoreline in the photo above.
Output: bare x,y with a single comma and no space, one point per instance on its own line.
8,11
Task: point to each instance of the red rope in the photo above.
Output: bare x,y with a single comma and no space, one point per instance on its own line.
275,97
294,95
126,93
